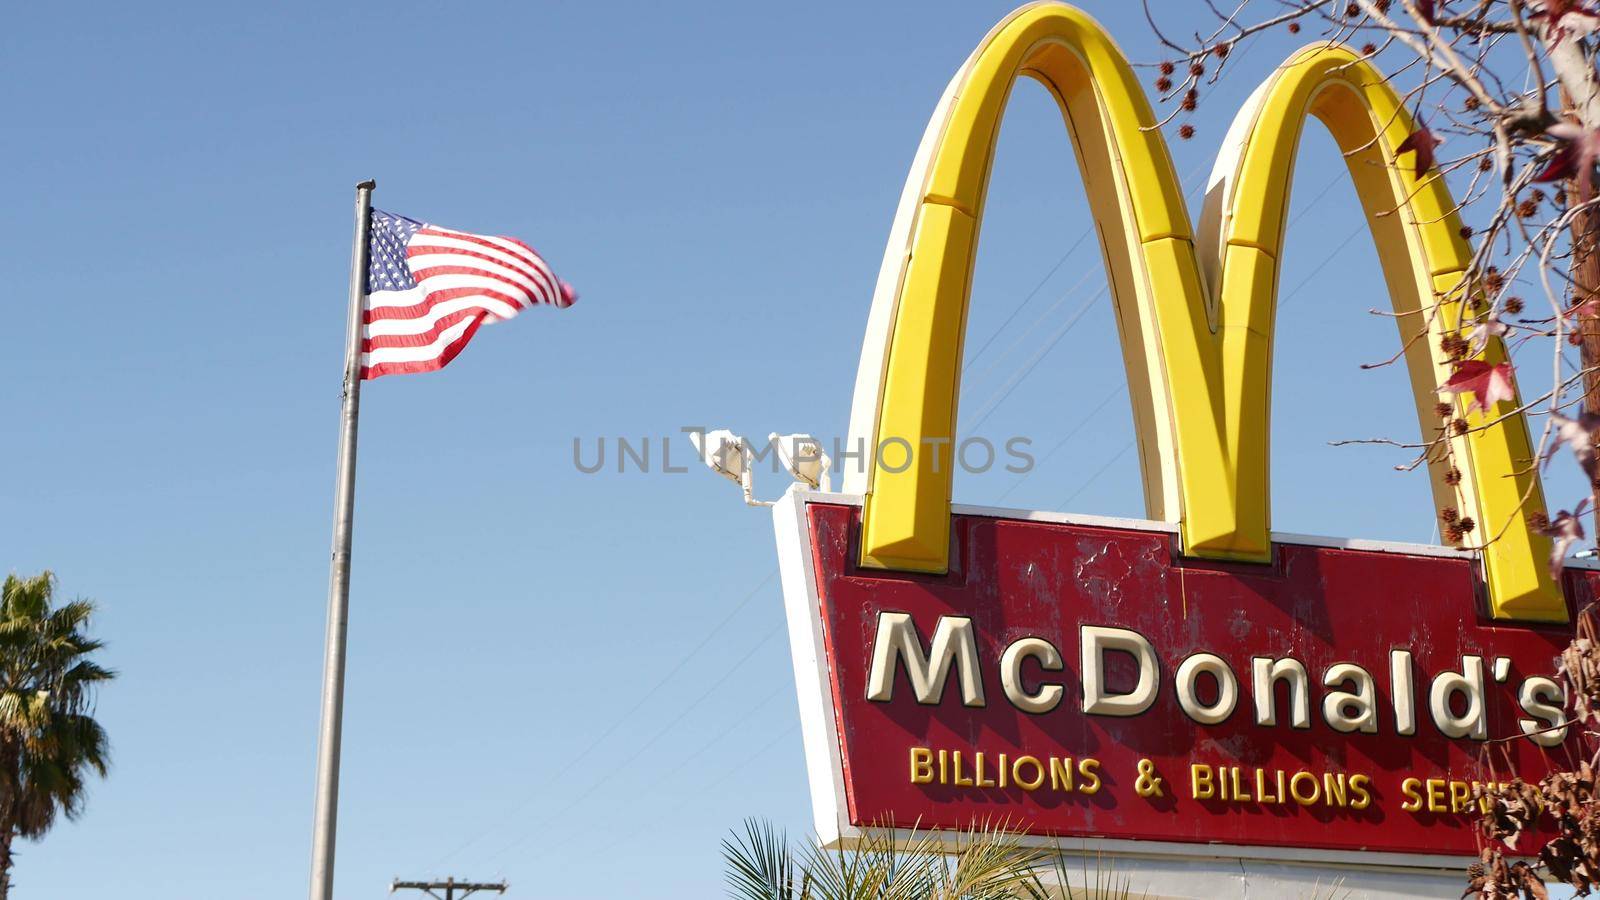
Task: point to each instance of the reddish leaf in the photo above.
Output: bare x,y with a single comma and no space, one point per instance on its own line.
1563,17
1425,11
1422,142
1578,311
1561,163
1490,327
1573,157
1566,529
1577,435
1487,384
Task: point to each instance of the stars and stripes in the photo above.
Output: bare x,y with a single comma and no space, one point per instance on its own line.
429,288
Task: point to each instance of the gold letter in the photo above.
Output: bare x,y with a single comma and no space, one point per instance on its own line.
1363,797
1060,774
1087,768
1334,788
978,764
921,765
1413,801
1436,795
1294,787
1261,787
1238,792
1027,784
956,765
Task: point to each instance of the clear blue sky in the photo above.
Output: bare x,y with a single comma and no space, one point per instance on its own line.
718,182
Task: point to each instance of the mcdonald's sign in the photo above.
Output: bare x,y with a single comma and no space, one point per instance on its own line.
1193,678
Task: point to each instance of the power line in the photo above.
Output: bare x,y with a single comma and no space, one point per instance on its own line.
718,781
1281,303
1027,368
1197,170
666,778
1017,378
1322,265
623,718
1093,478
639,751
1032,328
1036,288
736,724
1082,421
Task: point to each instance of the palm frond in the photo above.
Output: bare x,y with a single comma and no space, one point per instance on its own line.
990,864
760,866
984,862
1102,882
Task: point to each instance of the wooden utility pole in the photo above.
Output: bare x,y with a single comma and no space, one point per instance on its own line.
1586,275
453,889
1580,96
1586,288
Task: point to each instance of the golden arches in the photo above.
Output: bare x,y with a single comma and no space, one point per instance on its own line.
1197,344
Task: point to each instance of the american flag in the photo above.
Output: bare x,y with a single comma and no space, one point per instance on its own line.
429,288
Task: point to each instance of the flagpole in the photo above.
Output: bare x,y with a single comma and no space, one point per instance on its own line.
326,821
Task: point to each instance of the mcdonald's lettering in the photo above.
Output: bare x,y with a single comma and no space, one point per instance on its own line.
1349,701
1190,678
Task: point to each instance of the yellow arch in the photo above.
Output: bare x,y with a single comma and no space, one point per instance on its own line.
1197,350
1417,234
907,385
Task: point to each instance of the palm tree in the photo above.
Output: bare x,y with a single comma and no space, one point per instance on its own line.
983,863
49,740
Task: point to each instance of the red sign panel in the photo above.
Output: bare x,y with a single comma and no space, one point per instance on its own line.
1080,680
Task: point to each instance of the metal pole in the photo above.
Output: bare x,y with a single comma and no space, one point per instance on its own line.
327,807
